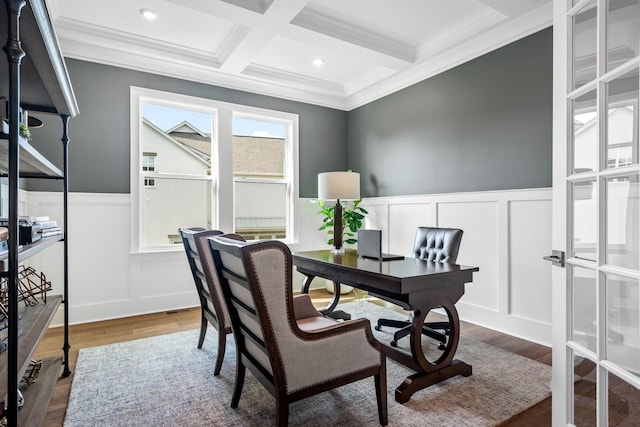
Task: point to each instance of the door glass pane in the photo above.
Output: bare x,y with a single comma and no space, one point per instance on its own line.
624,399
584,45
173,203
260,173
623,215
585,225
623,322
584,391
622,120
583,307
585,133
623,31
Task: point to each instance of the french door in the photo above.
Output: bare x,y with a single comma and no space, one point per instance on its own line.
596,213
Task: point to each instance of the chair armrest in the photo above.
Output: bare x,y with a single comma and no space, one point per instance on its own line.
329,353
303,308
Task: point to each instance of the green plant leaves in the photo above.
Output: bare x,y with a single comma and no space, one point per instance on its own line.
352,219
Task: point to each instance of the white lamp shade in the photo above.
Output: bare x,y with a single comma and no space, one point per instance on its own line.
339,185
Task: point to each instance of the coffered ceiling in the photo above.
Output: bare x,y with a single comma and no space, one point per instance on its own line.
369,48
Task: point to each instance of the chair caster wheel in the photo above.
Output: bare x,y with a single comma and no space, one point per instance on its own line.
393,344
377,328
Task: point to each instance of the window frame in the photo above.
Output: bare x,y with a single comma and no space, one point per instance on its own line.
222,179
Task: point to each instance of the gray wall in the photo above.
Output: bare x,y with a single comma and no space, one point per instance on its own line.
484,125
99,149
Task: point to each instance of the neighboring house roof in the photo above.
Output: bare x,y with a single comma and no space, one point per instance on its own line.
195,141
194,153
252,155
186,127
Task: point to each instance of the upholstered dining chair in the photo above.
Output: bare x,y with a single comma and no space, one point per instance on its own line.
213,308
434,245
292,363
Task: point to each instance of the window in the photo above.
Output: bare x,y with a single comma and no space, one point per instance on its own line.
148,165
260,181
210,164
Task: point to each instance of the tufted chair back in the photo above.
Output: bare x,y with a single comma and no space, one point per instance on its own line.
437,244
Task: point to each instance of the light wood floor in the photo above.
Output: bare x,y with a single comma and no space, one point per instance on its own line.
112,331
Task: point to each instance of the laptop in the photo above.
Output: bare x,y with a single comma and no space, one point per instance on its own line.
370,246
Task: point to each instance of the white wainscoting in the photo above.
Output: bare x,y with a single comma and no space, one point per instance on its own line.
506,234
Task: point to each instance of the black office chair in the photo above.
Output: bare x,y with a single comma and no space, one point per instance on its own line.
434,245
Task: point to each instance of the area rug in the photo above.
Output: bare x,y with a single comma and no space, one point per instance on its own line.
166,380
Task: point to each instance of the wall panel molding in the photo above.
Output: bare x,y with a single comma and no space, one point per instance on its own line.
506,234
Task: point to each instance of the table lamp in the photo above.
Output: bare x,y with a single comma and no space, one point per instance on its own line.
338,186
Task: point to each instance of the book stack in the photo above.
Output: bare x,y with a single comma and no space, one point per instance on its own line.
48,227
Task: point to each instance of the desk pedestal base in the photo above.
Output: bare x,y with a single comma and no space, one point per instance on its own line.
418,381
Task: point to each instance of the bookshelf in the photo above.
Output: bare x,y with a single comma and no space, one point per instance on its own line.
34,79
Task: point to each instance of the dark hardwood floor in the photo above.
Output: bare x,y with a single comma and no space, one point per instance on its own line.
118,330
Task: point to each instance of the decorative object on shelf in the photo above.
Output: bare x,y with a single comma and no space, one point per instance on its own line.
31,374
31,284
339,220
24,131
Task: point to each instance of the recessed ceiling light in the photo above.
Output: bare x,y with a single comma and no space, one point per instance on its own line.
149,14
318,62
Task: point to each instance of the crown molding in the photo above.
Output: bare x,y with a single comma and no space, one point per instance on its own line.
293,79
199,74
104,46
498,37
314,20
88,37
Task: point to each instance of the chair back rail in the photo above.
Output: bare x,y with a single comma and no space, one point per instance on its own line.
213,308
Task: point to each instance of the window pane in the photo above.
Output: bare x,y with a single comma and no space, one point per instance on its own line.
585,133
623,327
259,156
178,140
624,403
623,25
622,120
171,204
623,216
584,45
584,391
585,225
258,148
260,210
583,307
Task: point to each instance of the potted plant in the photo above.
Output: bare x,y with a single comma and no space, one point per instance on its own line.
352,219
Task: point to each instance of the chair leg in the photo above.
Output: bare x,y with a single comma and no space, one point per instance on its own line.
392,323
401,333
203,329
237,389
381,395
222,344
282,413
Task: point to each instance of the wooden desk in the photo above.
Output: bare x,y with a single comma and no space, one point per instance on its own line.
411,283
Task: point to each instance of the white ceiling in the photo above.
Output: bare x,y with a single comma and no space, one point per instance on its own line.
371,47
